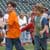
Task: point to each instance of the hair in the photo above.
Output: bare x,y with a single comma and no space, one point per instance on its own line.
39,7
12,3
1,14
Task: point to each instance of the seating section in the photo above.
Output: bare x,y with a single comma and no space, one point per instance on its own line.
24,5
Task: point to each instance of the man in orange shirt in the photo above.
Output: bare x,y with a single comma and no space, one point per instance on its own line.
13,33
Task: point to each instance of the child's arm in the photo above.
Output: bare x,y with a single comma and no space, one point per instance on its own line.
45,29
45,24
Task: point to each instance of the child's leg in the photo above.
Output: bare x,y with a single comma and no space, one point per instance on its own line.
37,43
33,42
9,44
49,32
32,37
4,34
18,44
44,44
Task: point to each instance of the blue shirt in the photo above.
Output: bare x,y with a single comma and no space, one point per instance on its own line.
40,25
44,22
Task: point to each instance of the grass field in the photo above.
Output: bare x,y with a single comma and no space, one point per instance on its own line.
27,47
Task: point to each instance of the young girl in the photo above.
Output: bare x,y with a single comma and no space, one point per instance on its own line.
41,25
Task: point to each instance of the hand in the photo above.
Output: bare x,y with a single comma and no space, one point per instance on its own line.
41,32
5,36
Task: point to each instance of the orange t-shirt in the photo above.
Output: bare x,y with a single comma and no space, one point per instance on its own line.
13,26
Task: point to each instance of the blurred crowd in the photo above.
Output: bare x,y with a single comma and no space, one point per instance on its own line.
24,20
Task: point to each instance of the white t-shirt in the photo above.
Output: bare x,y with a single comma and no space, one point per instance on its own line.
2,22
22,21
29,20
5,17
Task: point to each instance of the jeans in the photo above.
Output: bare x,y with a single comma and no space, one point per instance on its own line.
25,37
11,42
40,43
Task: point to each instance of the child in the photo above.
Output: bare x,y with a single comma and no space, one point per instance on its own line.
13,33
22,22
31,20
41,25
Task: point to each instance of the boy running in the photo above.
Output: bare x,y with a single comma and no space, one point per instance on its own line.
13,33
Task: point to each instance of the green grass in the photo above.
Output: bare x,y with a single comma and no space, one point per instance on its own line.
27,47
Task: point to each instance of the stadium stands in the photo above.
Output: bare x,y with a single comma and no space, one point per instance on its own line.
24,5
